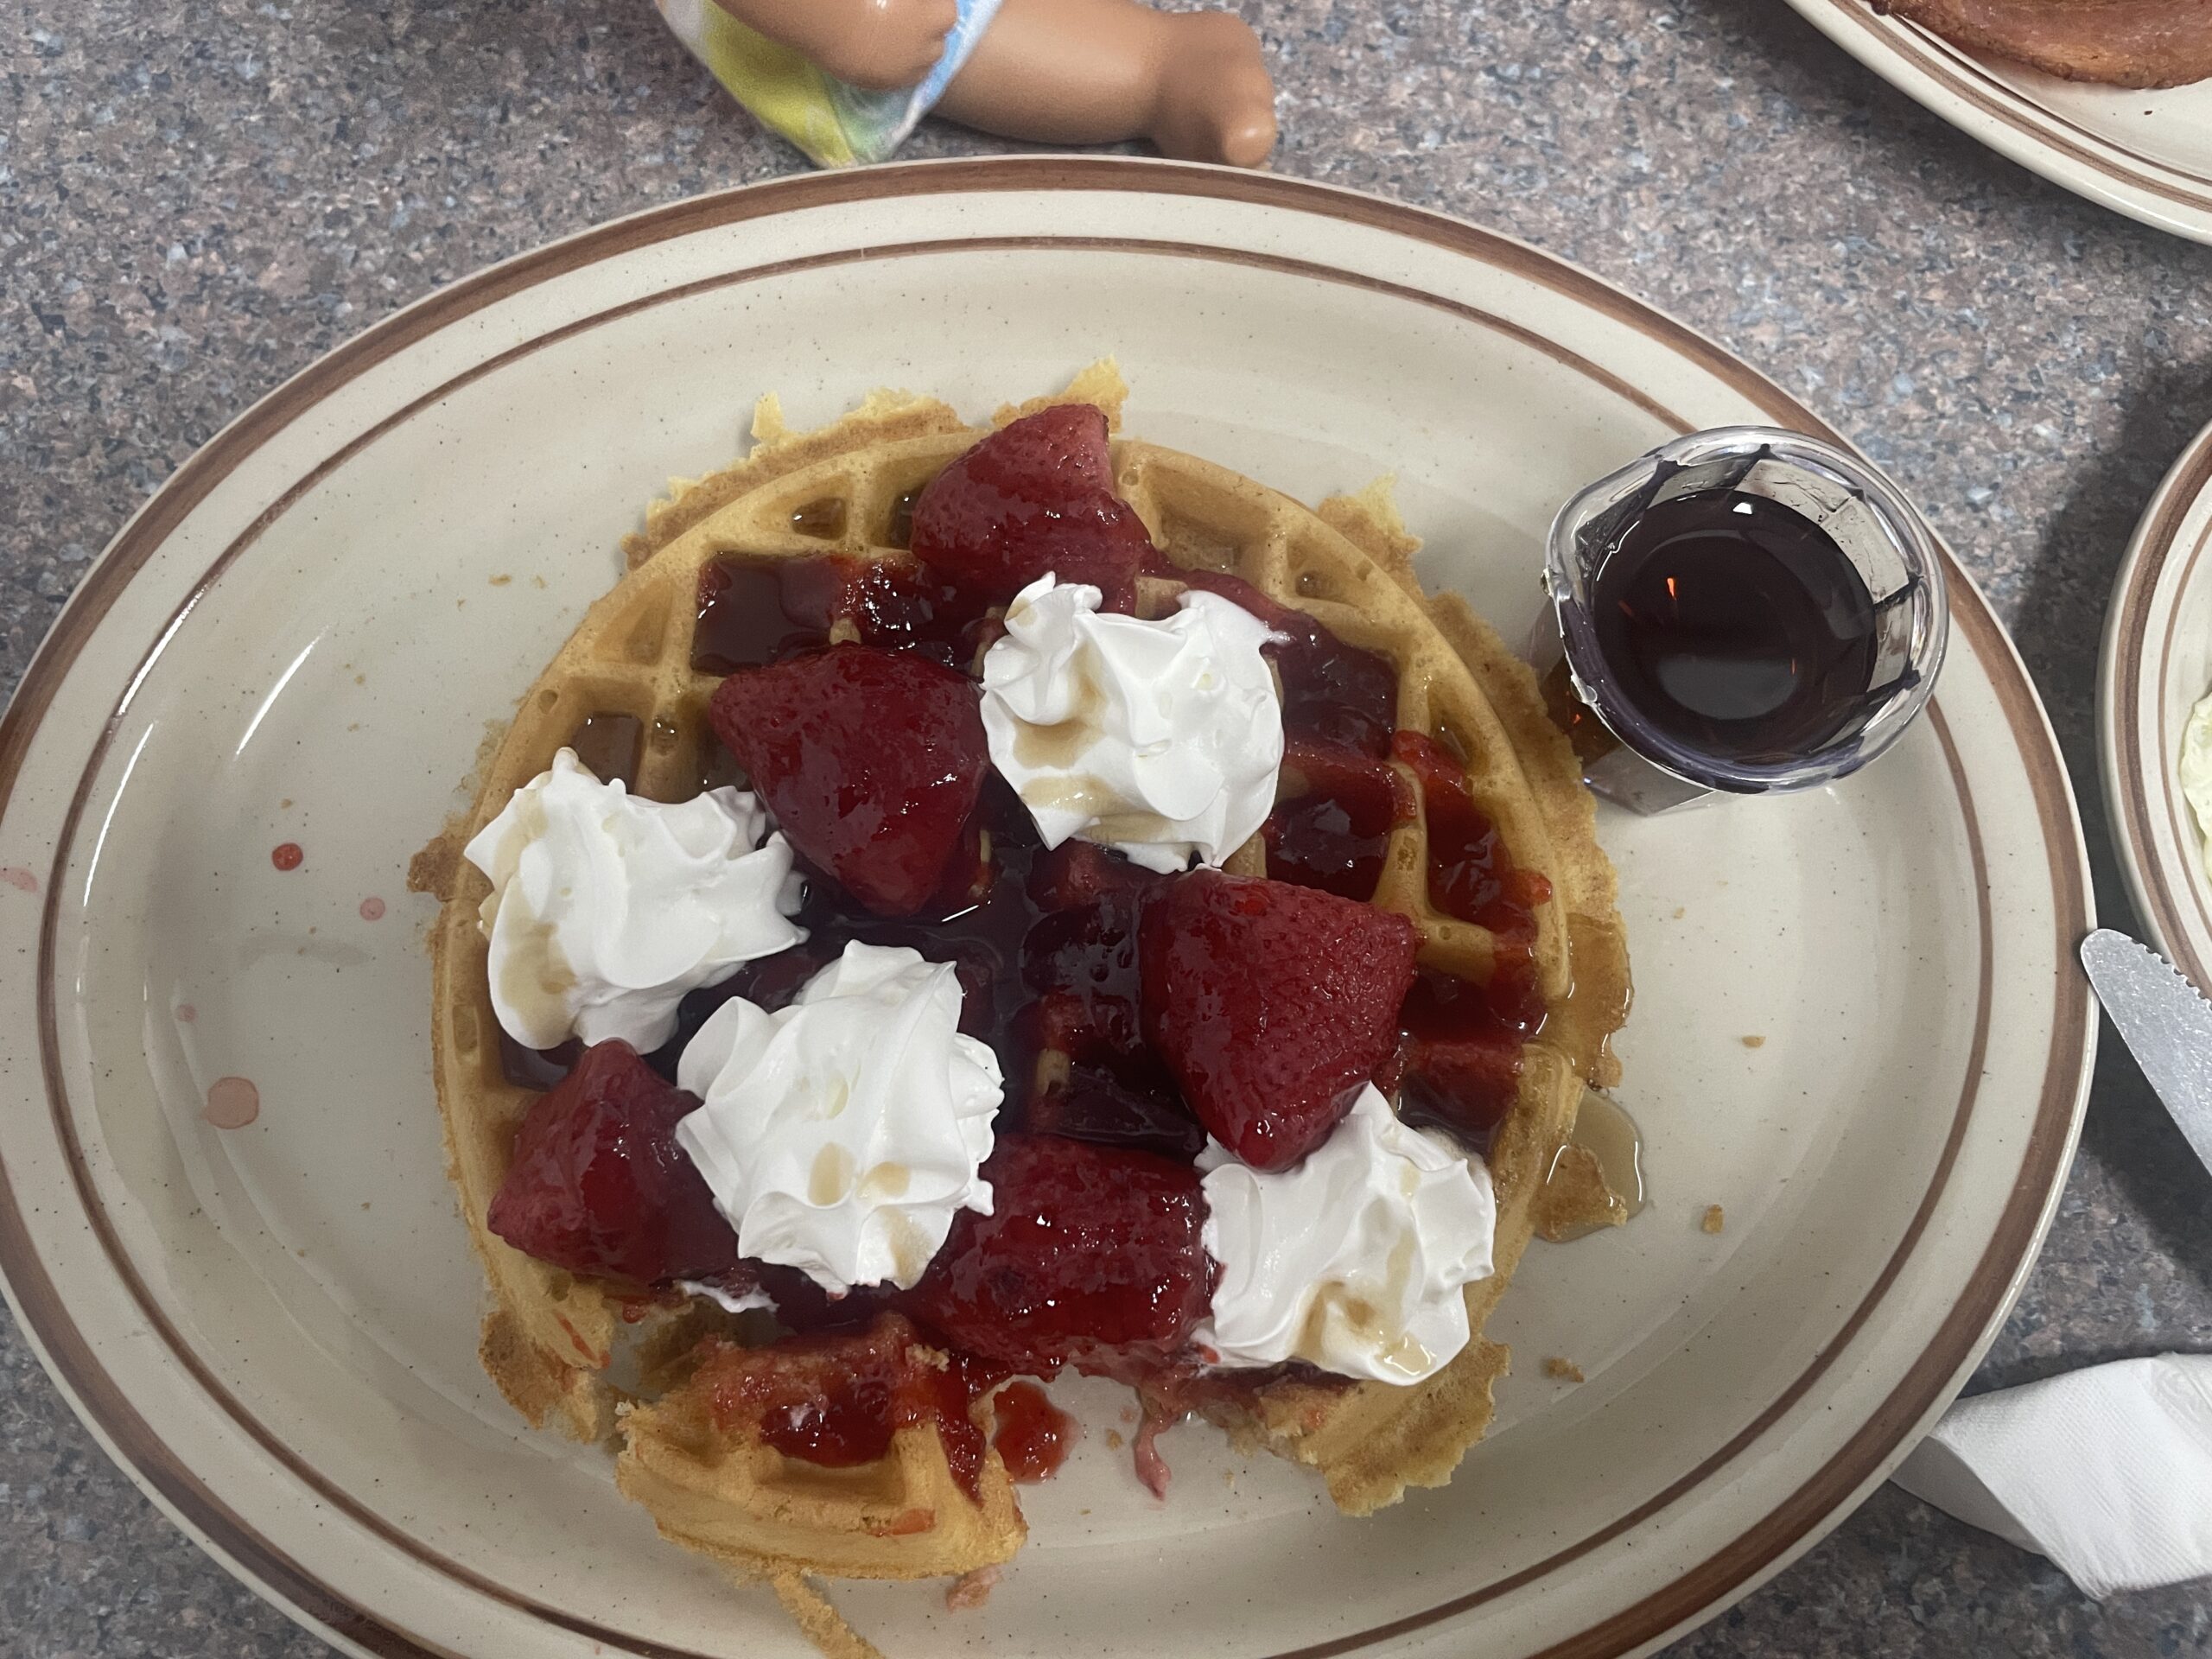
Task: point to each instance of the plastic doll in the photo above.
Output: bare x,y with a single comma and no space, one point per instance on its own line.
846,80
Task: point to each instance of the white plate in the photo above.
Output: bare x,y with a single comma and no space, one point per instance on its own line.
2147,154
303,637
2157,663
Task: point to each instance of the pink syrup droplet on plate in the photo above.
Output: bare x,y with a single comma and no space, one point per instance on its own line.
233,1103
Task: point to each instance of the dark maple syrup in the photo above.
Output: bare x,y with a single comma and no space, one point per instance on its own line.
1736,626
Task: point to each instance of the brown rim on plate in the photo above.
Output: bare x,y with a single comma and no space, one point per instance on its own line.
2143,798
133,1440
1961,74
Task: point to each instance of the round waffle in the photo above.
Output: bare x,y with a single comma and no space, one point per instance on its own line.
551,1340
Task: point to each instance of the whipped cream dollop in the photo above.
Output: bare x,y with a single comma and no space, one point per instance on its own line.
1160,739
841,1134
608,908
1355,1258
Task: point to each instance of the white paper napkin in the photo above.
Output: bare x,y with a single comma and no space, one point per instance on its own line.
2107,1470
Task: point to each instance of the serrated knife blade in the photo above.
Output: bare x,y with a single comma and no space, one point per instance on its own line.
2166,1023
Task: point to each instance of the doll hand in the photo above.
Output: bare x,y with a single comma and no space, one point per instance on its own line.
877,44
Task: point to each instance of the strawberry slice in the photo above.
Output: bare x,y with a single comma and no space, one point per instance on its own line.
599,1185
870,762
1272,1004
1037,496
1090,1256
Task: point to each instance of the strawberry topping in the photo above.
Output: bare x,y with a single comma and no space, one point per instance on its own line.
1458,1062
1334,813
1458,1059
1094,1076
870,762
1079,873
1033,1436
1272,1004
1090,1256
599,1185
1096,1080
1134,1014
1470,876
837,1401
1035,498
753,611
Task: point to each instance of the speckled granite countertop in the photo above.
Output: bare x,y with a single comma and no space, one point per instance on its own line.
197,199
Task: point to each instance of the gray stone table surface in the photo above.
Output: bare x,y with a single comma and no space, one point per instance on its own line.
199,197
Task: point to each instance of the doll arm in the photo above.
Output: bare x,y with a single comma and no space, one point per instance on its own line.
876,44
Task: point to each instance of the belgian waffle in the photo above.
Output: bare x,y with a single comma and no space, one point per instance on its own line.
846,490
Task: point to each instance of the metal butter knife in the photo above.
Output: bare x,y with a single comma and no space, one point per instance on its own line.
2166,1023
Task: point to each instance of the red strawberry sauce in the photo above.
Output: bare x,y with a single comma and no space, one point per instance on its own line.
1035,1436
838,1401
753,612
1046,946
1458,1064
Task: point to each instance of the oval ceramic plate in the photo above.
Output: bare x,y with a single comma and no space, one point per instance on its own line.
1857,1028
2148,154
2157,664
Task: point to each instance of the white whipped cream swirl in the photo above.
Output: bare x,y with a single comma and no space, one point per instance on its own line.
841,1134
1159,739
606,908
1355,1258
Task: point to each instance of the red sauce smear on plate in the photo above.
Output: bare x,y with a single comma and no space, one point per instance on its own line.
1035,1436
